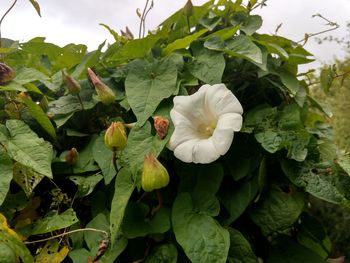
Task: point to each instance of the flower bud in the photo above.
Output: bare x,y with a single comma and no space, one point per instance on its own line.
115,137
6,73
72,84
72,157
154,175
161,124
104,93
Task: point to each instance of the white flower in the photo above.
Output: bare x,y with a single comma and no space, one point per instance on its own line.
204,124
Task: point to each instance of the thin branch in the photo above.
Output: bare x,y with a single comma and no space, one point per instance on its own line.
67,233
2,18
334,26
146,9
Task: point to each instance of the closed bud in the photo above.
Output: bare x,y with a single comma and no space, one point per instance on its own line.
6,73
188,8
115,137
161,124
154,175
104,93
72,157
72,84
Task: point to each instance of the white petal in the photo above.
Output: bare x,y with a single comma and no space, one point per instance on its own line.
184,151
221,100
223,133
230,121
192,106
180,135
204,151
180,119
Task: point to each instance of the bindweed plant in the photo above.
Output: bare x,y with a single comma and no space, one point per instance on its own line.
97,165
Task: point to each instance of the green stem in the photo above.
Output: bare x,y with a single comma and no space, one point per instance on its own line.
80,101
114,159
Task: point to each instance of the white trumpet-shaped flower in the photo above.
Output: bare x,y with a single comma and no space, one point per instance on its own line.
204,124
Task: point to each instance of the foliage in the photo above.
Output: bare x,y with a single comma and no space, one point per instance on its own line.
249,205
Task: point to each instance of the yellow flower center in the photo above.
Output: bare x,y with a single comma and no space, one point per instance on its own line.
206,130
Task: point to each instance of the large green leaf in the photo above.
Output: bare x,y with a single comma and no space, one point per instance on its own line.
92,238
208,65
25,147
183,42
124,186
201,237
51,223
288,251
166,253
306,176
240,249
86,184
240,46
137,222
13,242
5,174
237,200
104,158
26,178
147,84
39,115
278,210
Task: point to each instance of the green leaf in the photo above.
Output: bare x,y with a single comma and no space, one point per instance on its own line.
104,158
240,46
79,255
201,237
25,147
5,174
93,238
26,178
306,176
237,200
136,222
39,115
165,253
288,251
69,104
183,42
124,186
13,241
147,84
51,223
36,6
251,24
86,184
278,210
240,249
208,66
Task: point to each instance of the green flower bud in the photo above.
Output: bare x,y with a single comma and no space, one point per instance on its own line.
72,157
104,93
6,73
72,84
115,137
154,175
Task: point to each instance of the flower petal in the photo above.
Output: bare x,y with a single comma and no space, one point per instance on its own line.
223,134
184,151
180,135
221,100
204,151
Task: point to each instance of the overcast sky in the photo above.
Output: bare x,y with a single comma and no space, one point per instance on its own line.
77,21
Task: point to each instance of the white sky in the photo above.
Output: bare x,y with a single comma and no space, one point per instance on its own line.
77,21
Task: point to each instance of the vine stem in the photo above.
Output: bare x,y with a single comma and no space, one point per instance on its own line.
2,19
67,233
81,102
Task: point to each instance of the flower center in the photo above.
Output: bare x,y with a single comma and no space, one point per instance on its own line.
207,130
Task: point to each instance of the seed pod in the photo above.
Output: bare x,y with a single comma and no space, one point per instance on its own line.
72,157
154,175
6,73
161,124
104,93
72,84
115,137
